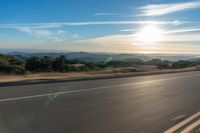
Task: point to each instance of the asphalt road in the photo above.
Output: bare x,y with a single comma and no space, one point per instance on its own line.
145,104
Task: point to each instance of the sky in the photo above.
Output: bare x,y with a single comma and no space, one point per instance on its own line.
115,26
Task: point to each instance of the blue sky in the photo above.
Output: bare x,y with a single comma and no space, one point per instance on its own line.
100,25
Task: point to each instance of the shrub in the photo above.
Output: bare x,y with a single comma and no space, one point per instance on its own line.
10,64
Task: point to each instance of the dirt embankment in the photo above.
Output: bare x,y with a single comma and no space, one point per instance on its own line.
107,73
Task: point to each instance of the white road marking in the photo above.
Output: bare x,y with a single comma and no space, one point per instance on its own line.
179,117
181,124
191,127
81,90
91,89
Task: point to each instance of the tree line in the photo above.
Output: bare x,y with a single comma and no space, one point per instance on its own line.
10,64
16,65
173,65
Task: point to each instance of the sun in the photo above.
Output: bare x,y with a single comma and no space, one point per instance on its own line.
149,34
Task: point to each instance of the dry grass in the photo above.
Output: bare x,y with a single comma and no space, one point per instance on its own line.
106,72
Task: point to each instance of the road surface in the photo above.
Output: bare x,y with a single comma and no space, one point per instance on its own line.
146,104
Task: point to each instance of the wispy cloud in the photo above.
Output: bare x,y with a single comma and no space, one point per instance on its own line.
186,30
131,39
51,31
162,9
35,32
75,36
44,34
128,30
127,43
105,14
109,40
61,24
182,38
31,25
174,31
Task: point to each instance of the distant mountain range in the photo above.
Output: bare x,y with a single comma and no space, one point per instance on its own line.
96,57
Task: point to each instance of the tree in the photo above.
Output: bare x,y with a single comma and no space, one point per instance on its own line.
46,63
60,63
154,62
33,64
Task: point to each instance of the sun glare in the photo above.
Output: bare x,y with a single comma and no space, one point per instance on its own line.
149,34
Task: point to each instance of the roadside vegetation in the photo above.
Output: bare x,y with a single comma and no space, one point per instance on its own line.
22,65
9,64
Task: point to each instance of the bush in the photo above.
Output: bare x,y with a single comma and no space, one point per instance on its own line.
33,64
163,65
10,64
181,64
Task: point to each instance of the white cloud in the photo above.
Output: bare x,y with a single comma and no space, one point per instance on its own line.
182,30
109,40
60,35
130,39
128,30
36,32
105,14
126,43
75,36
162,9
44,34
62,24
31,25
183,38
174,31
